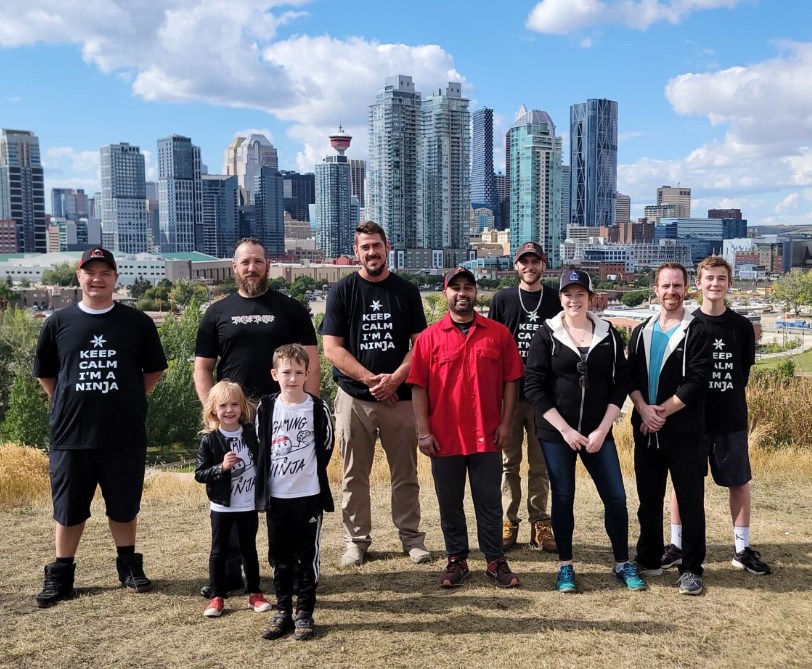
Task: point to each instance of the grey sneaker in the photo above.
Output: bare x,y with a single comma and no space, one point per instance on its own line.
690,583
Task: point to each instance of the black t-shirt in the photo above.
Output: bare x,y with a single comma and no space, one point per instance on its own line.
244,332
733,349
99,362
506,308
376,319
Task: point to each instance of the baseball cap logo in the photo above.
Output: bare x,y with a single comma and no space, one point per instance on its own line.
574,276
97,253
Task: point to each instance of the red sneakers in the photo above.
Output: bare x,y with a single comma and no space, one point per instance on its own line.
215,608
258,602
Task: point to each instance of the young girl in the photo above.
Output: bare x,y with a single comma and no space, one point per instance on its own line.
226,464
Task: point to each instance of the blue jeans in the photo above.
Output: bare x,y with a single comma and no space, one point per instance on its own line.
604,469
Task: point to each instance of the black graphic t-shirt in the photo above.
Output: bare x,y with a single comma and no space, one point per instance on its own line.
244,332
733,349
508,309
376,319
99,362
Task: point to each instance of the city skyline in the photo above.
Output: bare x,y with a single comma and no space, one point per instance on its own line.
710,94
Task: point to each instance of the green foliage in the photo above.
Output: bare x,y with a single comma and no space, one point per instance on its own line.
183,292
26,421
434,307
63,274
18,339
794,289
7,294
139,287
634,298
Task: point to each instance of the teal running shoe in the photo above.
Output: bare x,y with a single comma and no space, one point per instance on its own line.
566,579
628,574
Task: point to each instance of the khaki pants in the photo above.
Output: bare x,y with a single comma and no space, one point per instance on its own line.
538,484
358,423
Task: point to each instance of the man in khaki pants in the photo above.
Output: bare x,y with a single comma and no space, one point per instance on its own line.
371,319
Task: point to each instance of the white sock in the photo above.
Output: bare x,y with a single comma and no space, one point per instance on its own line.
741,537
676,535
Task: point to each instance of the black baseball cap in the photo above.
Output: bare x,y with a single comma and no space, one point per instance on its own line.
529,247
458,271
570,276
100,254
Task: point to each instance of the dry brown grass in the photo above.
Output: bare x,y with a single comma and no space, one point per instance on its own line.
390,613
23,476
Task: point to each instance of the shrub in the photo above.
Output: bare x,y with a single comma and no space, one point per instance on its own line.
23,476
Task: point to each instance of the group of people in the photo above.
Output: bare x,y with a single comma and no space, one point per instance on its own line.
471,387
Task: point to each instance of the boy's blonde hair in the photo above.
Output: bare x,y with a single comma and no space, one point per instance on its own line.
294,352
712,262
220,393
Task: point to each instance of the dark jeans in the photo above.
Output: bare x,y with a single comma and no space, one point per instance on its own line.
294,533
604,469
485,474
222,524
686,461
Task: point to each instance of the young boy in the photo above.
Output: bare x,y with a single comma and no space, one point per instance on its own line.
295,434
726,412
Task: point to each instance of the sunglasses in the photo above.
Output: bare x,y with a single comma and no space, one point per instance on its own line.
584,380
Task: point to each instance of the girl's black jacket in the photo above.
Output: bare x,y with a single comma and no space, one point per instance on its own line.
685,372
323,428
552,379
209,469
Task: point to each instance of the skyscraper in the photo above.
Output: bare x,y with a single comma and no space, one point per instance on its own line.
394,122
358,175
220,218
483,180
444,198
623,209
245,156
22,189
680,197
299,193
180,194
336,218
593,162
535,183
69,203
269,211
123,198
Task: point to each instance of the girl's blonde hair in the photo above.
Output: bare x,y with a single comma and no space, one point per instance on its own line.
220,393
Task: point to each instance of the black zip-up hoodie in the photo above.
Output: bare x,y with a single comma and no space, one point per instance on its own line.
323,428
685,371
552,378
209,469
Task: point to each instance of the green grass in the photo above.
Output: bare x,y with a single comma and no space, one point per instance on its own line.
803,362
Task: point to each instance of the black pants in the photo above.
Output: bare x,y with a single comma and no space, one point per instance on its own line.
246,524
685,461
294,533
485,475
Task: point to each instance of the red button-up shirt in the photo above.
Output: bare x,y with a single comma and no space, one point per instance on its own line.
464,377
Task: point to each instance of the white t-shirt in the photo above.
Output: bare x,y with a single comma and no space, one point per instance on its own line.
243,475
293,452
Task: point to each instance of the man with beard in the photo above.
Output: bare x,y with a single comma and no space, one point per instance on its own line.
523,310
464,376
371,320
239,335
670,363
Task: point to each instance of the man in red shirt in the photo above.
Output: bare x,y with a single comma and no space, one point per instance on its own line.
464,376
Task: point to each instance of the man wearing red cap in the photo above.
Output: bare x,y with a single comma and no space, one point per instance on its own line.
97,360
464,375
523,310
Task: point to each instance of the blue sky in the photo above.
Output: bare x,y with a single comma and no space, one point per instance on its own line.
712,94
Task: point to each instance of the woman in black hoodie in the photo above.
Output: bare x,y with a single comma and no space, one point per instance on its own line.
576,376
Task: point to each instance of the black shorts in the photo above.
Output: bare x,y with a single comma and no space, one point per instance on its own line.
75,473
729,458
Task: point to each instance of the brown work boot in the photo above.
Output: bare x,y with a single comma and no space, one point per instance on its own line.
510,533
541,537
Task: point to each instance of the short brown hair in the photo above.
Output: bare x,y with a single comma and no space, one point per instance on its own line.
712,262
671,265
294,352
221,392
253,241
369,228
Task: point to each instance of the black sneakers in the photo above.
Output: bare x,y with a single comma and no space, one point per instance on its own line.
58,584
455,572
672,556
751,561
303,626
280,625
131,573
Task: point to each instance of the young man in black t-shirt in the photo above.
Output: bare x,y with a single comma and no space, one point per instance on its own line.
97,360
523,310
734,353
371,321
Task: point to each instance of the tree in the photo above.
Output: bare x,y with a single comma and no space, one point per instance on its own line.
183,292
794,289
139,287
26,421
434,306
7,294
634,298
18,338
63,274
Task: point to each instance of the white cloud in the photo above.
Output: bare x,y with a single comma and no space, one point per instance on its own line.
789,203
562,17
227,53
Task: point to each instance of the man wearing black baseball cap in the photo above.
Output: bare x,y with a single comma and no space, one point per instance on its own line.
523,310
97,360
